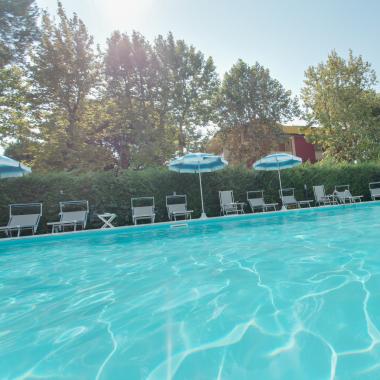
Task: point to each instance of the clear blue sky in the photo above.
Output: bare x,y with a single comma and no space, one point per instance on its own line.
284,35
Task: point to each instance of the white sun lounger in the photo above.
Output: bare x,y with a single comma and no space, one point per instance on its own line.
23,216
72,214
143,209
288,199
343,194
228,205
257,202
374,189
176,206
321,198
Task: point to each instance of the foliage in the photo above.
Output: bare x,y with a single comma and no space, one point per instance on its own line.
190,83
65,73
161,98
14,107
138,132
251,105
109,192
339,97
18,29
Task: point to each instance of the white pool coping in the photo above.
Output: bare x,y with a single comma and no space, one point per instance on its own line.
155,226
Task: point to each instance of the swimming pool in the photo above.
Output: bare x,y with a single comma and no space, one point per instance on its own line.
291,295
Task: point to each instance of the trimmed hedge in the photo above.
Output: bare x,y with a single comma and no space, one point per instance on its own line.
109,193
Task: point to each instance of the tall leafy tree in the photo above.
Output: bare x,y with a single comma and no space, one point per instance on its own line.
18,29
341,101
252,104
189,83
65,73
14,106
137,130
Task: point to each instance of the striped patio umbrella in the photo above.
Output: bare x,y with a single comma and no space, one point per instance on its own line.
277,161
12,168
198,163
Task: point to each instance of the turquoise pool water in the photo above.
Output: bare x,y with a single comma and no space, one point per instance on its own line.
288,296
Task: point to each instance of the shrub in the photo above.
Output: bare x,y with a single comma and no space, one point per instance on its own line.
107,192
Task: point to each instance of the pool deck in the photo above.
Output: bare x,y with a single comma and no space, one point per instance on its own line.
178,223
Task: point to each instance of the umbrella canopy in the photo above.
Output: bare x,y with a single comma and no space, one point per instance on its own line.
277,161
198,163
12,168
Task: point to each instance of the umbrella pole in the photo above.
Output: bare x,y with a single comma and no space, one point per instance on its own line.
283,208
203,215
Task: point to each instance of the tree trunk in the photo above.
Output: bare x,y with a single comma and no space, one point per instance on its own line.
181,140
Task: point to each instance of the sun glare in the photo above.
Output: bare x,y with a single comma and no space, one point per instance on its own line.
120,12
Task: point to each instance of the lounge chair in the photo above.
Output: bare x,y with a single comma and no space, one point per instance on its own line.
343,194
176,206
374,189
256,201
72,214
321,198
228,205
23,216
143,209
288,199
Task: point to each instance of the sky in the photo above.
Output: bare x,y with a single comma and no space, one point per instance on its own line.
285,36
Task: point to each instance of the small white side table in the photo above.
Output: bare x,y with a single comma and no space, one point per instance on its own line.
107,218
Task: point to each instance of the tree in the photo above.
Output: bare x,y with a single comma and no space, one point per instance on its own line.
137,130
161,97
65,72
340,100
18,29
189,83
251,107
13,104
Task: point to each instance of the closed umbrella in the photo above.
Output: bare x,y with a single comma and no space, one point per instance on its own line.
12,168
198,163
277,161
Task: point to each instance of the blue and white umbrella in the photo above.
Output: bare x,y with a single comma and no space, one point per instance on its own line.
198,163
12,168
277,161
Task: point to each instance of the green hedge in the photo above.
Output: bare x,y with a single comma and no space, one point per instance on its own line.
109,193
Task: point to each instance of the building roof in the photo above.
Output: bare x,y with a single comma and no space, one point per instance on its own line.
294,129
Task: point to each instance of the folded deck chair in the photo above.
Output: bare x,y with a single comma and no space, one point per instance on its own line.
176,205
72,214
228,205
374,189
321,198
257,202
143,209
288,199
23,216
343,194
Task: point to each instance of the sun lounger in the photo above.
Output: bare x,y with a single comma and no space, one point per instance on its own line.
321,198
343,194
176,206
374,189
23,216
228,205
257,202
143,209
288,199
72,214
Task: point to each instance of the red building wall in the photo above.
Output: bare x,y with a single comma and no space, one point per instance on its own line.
304,149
